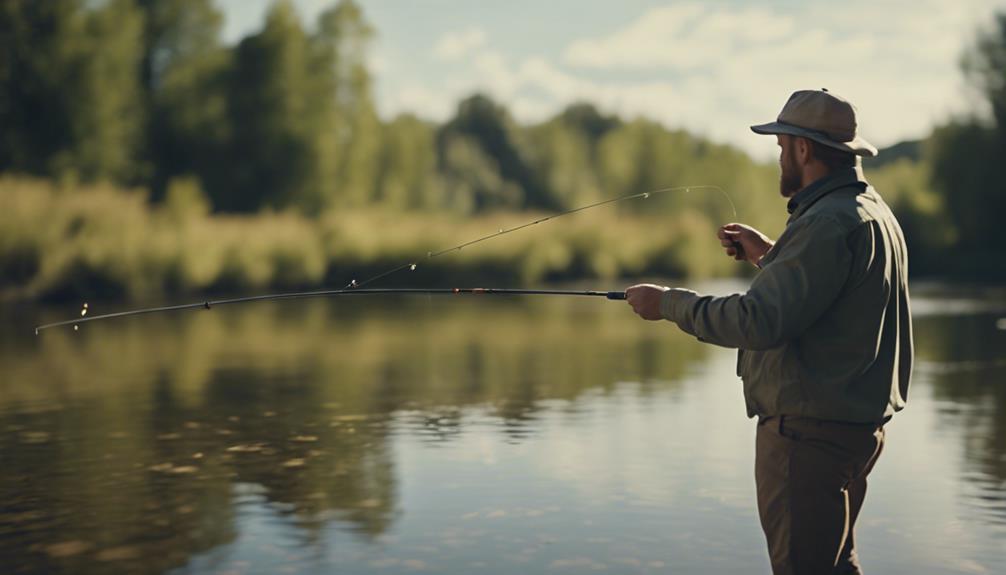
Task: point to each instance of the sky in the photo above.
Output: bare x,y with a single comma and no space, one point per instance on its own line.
713,67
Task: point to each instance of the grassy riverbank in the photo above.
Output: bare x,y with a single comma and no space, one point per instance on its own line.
63,242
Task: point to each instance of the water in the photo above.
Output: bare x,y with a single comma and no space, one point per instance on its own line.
455,435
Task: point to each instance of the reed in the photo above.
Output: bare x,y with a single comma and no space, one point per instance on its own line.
60,242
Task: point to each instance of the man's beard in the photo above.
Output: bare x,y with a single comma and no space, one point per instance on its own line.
790,179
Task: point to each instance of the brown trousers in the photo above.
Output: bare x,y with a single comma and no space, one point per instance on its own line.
811,481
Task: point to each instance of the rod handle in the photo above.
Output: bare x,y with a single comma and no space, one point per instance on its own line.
741,256
616,295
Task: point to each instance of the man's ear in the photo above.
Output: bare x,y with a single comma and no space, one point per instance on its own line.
803,151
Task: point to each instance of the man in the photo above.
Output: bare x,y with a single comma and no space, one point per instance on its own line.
824,335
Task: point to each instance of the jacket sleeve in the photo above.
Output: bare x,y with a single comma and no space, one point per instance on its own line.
790,293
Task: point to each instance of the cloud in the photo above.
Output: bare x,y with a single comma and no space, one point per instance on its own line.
715,69
684,36
455,45
896,60
699,36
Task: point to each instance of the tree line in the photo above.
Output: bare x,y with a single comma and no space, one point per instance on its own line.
144,93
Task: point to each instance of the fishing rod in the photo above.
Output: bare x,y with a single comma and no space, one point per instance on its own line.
210,304
356,288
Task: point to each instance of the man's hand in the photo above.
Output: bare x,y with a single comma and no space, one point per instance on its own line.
752,244
645,300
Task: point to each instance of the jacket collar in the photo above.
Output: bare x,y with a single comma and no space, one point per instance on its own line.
806,197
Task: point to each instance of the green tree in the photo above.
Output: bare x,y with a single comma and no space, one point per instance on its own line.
354,137
906,187
965,155
564,152
72,103
304,129
487,128
270,93
183,74
408,166
984,65
37,41
472,179
108,110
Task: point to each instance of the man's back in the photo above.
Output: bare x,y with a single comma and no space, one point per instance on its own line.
852,362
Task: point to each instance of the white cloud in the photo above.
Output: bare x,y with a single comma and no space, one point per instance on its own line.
693,35
683,36
455,45
896,60
495,75
715,70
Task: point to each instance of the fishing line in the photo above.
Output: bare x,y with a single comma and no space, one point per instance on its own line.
355,288
504,231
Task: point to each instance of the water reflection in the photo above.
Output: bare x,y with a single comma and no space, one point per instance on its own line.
492,435
134,445
962,354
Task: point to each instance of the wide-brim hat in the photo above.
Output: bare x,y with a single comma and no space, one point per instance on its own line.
822,117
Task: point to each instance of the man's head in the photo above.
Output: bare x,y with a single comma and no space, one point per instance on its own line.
817,135
802,160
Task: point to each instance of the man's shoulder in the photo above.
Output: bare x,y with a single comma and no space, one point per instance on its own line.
850,206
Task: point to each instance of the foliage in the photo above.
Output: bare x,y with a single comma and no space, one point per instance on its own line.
482,145
280,133
985,67
929,232
71,103
964,156
183,77
99,241
407,166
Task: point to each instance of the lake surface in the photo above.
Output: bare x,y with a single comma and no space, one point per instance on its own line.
455,435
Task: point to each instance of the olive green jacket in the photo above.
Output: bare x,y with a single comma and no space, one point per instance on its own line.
825,329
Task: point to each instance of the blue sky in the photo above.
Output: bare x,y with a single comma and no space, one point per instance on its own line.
713,67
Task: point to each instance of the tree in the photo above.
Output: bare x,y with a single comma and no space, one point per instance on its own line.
965,157
564,153
270,90
584,117
408,166
72,103
304,129
472,178
984,65
183,75
34,55
107,110
341,44
487,127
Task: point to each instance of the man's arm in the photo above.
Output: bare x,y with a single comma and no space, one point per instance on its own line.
787,297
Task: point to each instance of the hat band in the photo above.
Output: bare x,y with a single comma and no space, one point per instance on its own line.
821,133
